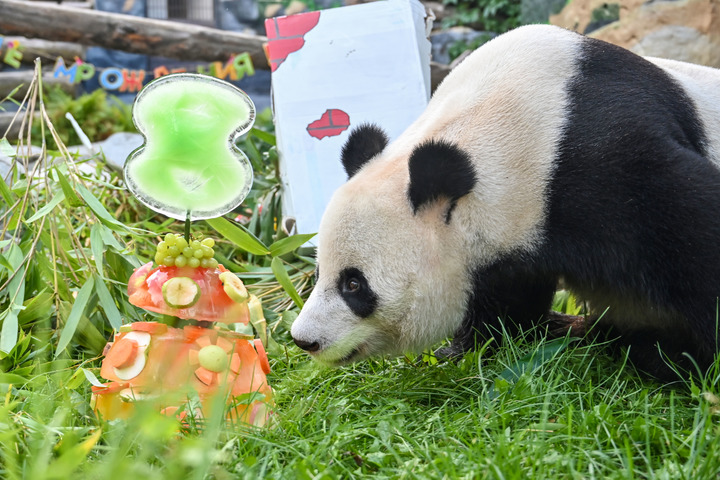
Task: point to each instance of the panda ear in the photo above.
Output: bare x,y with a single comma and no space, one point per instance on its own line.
364,143
439,169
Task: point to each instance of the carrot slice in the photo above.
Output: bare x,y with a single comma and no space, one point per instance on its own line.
225,344
123,353
262,356
111,387
156,328
205,376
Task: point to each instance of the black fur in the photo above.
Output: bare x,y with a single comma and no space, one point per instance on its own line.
364,143
439,169
633,212
361,300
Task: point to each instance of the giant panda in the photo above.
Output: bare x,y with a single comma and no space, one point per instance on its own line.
545,156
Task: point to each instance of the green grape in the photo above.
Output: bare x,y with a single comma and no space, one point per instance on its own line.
205,263
212,263
168,261
181,243
173,251
159,258
198,254
162,247
193,262
207,251
170,239
181,261
208,242
187,252
195,244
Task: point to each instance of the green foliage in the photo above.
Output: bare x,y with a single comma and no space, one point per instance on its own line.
99,114
490,15
458,48
531,409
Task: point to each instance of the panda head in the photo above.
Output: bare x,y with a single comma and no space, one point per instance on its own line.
391,268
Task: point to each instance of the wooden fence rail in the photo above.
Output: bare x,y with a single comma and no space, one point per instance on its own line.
163,38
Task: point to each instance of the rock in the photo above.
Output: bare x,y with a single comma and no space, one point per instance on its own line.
686,30
603,15
680,43
118,146
239,16
456,38
539,11
295,7
5,166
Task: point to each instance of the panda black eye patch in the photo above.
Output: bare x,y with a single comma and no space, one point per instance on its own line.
355,290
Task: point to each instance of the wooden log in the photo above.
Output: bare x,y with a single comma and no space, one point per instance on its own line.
180,41
45,49
14,128
438,72
11,79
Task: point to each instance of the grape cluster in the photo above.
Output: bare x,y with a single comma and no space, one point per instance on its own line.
174,250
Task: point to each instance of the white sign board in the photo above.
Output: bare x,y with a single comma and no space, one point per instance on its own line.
334,70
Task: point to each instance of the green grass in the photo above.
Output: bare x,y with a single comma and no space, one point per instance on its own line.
531,409
579,414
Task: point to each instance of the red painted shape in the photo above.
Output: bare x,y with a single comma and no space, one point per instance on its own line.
333,122
286,35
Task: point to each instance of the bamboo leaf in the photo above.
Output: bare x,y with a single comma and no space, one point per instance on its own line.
91,377
16,289
284,279
529,363
238,235
97,245
70,196
57,198
6,193
13,379
108,304
264,136
289,244
36,308
99,209
110,239
75,313
6,149
253,154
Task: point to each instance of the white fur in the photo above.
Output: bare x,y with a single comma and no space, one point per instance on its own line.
418,264
703,86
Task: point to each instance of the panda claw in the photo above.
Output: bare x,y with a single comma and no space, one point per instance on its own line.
560,324
449,353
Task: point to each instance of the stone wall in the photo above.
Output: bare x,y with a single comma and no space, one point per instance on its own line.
687,30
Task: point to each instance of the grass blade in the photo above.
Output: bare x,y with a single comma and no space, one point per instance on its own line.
75,313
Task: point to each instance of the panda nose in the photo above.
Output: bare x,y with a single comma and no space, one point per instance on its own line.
307,346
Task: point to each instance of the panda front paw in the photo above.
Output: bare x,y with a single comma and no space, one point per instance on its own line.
560,324
450,353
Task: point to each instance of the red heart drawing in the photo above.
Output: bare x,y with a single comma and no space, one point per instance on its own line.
286,35
333,122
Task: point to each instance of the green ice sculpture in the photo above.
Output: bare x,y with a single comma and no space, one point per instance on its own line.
189,167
